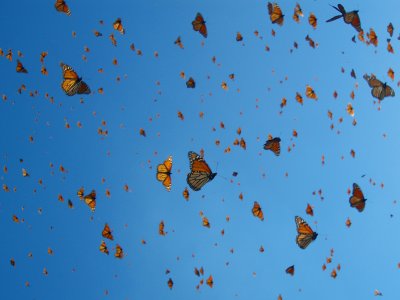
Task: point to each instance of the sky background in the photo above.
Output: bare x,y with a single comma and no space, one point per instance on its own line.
149,95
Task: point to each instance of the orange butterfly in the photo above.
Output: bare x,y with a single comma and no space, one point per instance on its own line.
357,200
90,200
239,37
275,13
20,68
305,235
348,17
61,6
206,223
273,145
179,42
200,172
164,173
119,253
106,233
190,83
312,20
200,25
310,93
372,37
290,270
170,283
161,228
257,211
390,29
103,248
210,281
379,90
118,26
186,194
297,13
72,83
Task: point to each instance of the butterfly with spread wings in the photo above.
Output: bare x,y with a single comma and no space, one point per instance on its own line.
273,145
351,17
200,172
357,199
90,200
305,235
20,68
164,173
200,25
379,90
72,83
107,233
275,13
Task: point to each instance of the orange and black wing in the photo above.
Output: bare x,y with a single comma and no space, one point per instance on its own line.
90,200
305,235
290,270
61,6
164,173
273,145
275,13
200,172
106,233
257,211
20,68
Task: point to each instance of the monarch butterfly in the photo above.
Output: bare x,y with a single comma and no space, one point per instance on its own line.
80,193
161,228
297,13
206,223
190,84
164,173
103,248
290,270
170,283
312,20
20,68
348,17
200,25
257,211
390,29
200,172
61,6
239,37
273,145
118,26
357,199
112,39
70,204
72,83
372,37
210,281
275,13
310,93
379,90
309,210
90,200
185,194
119,253
106,233
25,173
179,42
305,235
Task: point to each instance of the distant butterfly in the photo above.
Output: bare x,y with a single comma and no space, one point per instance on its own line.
305,235
273,145
275,13
106,233
297,13
170,283
310,93
348,17
179,42
210,281
200,172
72,83
312,20
379,90
161,228
103,248
200,25
357,199
118,26
257,211
90,200
20,68
119,253
164,173
190,84
390,29
290,270
61,6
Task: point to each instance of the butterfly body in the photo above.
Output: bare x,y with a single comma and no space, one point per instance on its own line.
164,173
348,17
72,83
305,235
357,199
200,172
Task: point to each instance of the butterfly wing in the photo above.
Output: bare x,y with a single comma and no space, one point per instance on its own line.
196,180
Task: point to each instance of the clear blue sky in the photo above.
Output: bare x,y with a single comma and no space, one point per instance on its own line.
149,95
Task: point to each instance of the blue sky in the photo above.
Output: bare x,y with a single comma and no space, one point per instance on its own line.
149,95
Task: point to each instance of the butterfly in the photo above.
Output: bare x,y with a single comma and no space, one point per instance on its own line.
164,173
106,233
20,68
348,17
210,281
190,84
103,248
119,253
72,83
273,145
257,211
310,93
312,20
379,90
118,26
305,234
290,270
390,29
357,199
185,194
297,13
161,228
179,42
200,172
275,13
61,6
200,25
90,200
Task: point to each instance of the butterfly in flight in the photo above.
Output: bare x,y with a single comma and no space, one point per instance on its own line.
200,25
72,83
275,13
379,90
61,6
357,199
117,25
273,145
107,233
90,200
164,173
305,235
200,172
20,68
290,270
351,17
